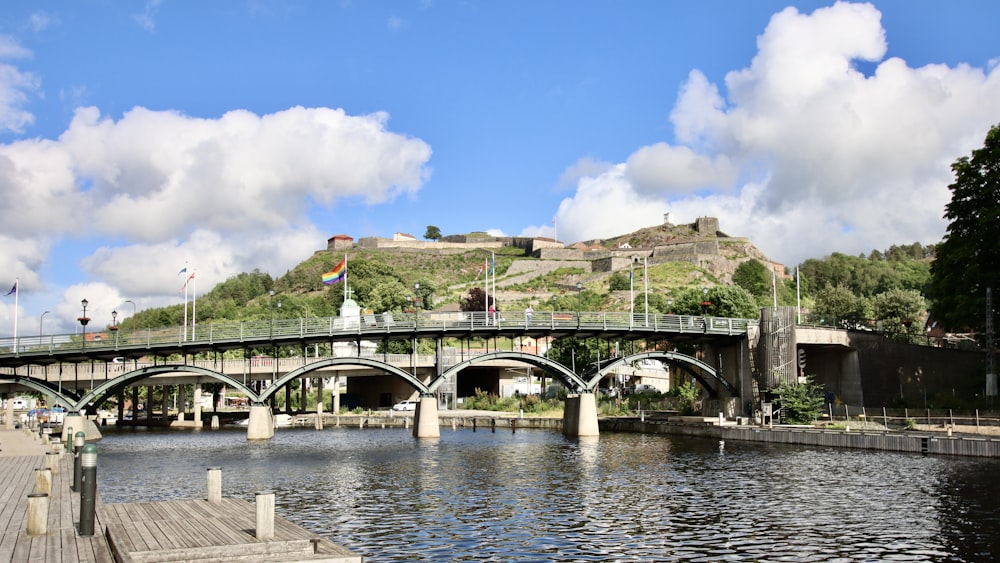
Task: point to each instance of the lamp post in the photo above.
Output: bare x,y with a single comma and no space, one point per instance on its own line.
705,303
416,304
670,306
133,315
83,321
114,326
40,320
579,301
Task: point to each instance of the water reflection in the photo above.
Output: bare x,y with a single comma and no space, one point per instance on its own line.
538,496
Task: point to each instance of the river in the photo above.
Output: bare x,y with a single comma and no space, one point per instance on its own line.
535,496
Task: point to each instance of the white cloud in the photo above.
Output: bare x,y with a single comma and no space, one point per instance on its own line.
15,86
805,154
226,195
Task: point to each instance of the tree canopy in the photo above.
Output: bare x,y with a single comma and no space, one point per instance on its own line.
968,259
432,233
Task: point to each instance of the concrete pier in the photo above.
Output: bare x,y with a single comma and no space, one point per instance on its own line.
580,415
260,425
426,423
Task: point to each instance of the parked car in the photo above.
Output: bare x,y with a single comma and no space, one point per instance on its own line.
641,388
408,405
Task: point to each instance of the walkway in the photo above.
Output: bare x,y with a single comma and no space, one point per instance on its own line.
20,455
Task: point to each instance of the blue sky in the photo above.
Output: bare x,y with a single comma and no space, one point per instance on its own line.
227,136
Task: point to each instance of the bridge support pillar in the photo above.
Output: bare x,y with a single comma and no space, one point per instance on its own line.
196,404
260,426
425,419
8,420
580,415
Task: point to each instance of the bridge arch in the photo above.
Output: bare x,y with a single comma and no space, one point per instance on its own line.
683,361
346,361
99,394
46,388
553,368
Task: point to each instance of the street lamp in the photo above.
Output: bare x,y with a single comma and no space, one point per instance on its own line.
579,300
114,326
83,322
133,315
416,303
40,320
705,303
670,306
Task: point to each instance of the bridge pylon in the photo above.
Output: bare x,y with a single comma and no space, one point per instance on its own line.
260,425
580,415
425,419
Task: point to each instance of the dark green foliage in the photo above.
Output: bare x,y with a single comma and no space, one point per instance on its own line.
838,306
723,301
899,310
686,398
580,354
800,403
618,281
968,260
475,300
432,233
754,277
901,267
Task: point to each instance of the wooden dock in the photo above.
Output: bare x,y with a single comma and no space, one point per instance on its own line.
182,530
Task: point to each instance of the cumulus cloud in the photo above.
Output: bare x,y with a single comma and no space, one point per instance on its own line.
803,152
15,87
225,195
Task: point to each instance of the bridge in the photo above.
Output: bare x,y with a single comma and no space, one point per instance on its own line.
83,370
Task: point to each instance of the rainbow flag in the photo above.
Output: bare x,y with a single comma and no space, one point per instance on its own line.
338,273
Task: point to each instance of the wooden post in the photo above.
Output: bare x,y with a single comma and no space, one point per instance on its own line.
265,515
38,514
215,485
43,481
52,462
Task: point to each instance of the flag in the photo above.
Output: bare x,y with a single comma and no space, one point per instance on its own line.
13,290
184,269
337,274
481,270
191,277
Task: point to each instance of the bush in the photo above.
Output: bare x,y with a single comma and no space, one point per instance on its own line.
801,403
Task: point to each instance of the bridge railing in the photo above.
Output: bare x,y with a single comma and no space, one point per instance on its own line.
371,325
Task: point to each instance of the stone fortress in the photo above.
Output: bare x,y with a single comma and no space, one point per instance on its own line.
701,243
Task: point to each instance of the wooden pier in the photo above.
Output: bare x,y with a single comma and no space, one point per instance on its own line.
182,530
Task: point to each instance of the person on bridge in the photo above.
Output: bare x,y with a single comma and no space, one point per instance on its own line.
492,313
527,314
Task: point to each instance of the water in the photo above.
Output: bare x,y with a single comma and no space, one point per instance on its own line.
535,496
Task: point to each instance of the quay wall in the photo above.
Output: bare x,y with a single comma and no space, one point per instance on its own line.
913,442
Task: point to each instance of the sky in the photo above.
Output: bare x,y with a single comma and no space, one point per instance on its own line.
139,139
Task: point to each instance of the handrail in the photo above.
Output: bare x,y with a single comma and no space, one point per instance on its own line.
371,325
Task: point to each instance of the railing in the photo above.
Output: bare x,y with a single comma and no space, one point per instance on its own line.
372,325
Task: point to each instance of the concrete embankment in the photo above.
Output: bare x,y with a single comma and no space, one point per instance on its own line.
915,442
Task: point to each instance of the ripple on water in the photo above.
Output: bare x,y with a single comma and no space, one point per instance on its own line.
537,496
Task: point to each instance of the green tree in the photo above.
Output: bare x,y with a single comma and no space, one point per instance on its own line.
618,282
800,403
840,307
968,259
723,301
899,309
754,277
432,233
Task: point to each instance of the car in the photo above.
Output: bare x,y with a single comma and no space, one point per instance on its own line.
641,388
408,405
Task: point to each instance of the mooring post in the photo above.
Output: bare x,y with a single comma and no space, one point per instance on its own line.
43,481
52,462
38,514
215,485
265,515
78,444
88,497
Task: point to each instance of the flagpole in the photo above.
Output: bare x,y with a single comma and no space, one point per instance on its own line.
194,303
645,279
774,288
17,293
798,295
185,310
631,294
345,280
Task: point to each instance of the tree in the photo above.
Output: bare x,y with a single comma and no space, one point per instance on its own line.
801,403
840,307
724,301
433,233
898,309
618,282
754,277
968,259
475,300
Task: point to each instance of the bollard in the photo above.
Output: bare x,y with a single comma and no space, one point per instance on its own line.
215,485
69,438
88,498
43,481
46,436
38,514
265,515
79,439
52,462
